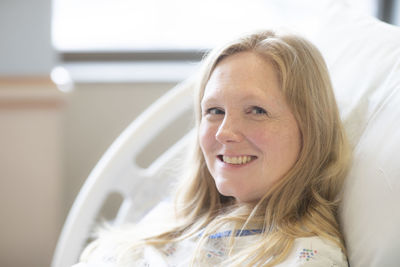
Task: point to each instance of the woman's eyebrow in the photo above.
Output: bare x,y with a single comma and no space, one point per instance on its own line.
258,99
209,100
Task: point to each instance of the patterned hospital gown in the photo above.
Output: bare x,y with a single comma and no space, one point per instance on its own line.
306,252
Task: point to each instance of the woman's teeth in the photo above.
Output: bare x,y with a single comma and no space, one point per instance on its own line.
237,160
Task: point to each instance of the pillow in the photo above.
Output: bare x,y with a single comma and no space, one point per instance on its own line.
363,56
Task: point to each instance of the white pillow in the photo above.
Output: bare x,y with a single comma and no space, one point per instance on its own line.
363,56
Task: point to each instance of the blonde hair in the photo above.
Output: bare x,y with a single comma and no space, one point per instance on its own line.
305,201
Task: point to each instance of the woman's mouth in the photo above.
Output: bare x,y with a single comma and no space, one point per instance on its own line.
236,160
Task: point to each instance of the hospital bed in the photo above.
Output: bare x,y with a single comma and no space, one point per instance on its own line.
363,56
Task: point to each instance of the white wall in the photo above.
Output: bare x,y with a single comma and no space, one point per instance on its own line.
30,171
25,47
30,136
63,143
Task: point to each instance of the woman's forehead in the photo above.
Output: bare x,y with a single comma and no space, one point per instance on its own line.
245,75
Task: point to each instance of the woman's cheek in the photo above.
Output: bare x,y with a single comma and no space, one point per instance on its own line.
258,135
207,139
204,135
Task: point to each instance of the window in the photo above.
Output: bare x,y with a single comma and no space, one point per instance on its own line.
137,39
153,25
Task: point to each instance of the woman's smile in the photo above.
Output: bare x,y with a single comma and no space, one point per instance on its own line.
236,160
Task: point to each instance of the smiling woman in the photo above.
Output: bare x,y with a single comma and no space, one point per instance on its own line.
269,162
254,133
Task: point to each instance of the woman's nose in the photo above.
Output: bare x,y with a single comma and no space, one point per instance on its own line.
229,131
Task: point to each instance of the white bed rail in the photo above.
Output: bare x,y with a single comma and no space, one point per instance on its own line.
116,169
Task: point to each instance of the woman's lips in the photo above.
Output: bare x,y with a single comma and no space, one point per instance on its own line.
236,160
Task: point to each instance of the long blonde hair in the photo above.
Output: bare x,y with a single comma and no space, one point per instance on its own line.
305,201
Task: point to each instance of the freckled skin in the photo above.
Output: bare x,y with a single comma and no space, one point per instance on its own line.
245,113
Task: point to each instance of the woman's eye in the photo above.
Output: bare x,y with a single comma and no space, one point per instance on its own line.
258,111
215,111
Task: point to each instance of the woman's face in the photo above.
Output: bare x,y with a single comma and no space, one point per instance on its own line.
248,134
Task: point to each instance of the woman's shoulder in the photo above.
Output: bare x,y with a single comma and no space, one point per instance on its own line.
314,251
98,253
112,240
104,253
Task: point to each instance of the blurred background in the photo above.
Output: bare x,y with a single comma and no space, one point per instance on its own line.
75,73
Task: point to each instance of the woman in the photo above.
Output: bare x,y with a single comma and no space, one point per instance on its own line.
269,163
